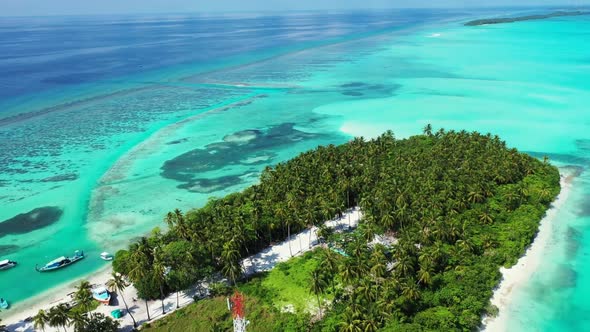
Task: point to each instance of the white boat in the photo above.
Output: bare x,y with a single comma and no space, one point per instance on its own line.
106,256
7,264
102,295
60,262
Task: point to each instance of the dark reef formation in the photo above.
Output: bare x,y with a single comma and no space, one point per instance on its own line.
8,249
245,148
30,221
60,178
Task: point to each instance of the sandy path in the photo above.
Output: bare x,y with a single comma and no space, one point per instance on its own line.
263,261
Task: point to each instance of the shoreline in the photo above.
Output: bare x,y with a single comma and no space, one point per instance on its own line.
512,278
517,276
263,261
44,293
51,297
58,293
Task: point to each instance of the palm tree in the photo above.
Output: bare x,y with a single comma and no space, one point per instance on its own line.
388,221
405,266
78,319
282,215
176,221
370,324
465,246
428,130
351,322
368,231
318,286
141,262
40,320
293,206
330,264
425,273
159,269
544,195
309,215
485,217
230,258
83,295
378,270
410,291
512,199
58,316
348,271
118,284
140,272
359,247
367,291
475,196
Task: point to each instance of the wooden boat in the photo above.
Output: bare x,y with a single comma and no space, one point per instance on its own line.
106,256
60,262
3,304
7,264
102,295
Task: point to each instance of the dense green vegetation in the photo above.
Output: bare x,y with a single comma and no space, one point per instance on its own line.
460,204
287,286
212,315
278,300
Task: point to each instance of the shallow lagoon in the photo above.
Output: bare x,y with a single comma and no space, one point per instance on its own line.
104,128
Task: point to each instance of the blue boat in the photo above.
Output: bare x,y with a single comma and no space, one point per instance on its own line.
60,262
3,304
102,295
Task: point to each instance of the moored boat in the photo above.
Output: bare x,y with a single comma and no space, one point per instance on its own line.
7,264
106,256
102,295
60,262
3,304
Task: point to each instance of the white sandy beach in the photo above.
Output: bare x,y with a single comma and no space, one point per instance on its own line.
513,277
262,261
519,274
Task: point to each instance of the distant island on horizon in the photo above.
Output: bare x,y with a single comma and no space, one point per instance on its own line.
502,20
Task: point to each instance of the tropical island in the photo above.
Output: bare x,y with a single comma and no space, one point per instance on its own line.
453,206
441,213
501,20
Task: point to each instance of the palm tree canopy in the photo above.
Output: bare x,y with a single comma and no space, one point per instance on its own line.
442,195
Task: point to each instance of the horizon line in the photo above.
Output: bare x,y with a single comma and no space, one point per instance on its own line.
287,11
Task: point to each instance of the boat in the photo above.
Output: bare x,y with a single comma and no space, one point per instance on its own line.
102,295
106,256
3,304
60,262
117,313
7,264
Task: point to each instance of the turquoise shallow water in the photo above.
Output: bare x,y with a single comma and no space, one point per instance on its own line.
184,134
135,116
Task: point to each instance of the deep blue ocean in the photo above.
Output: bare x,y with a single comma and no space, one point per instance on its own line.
43,53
